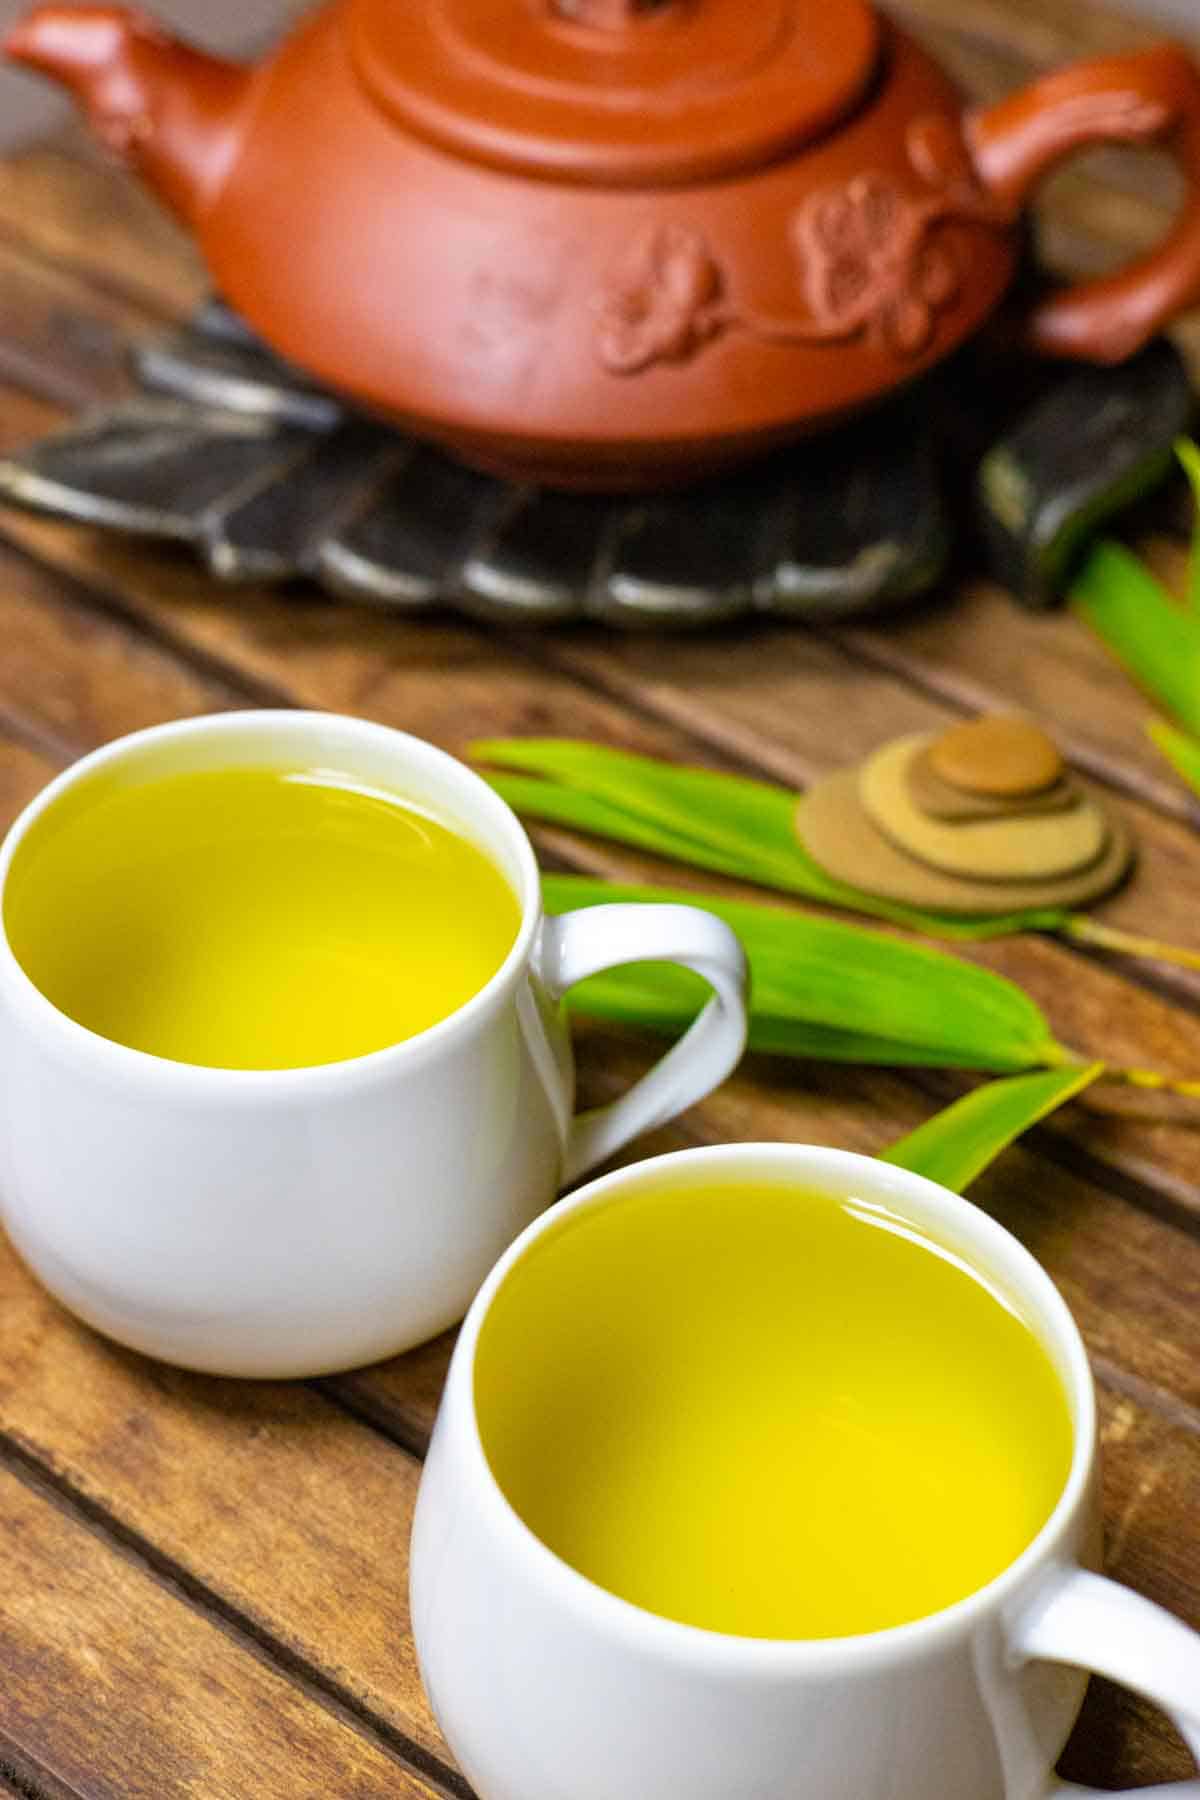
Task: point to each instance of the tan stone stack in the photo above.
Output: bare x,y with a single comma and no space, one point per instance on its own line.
982,818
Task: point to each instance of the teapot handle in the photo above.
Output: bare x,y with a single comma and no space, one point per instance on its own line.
1149,97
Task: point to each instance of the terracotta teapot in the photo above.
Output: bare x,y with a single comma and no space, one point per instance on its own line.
618,243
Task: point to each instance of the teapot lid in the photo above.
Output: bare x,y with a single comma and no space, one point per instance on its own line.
615,92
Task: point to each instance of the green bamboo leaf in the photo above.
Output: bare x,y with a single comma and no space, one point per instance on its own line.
663,998
957,1144
1179,748
1189,455
750,819
1156,639
823,987
556,805
735,824
671,812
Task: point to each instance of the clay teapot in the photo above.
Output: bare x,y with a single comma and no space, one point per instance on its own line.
619,243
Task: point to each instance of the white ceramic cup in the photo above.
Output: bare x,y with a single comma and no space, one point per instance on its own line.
292,1222
548,1687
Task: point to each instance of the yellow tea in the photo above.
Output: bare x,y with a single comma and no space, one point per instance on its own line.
767,1411
254,918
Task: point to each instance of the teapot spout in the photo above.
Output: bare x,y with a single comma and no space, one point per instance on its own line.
172,111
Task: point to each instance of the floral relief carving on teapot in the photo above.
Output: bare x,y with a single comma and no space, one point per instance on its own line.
869,263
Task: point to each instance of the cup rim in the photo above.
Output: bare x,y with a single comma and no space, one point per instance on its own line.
308,1079
701,1646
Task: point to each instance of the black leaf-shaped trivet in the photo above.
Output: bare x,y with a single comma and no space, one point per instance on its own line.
269,477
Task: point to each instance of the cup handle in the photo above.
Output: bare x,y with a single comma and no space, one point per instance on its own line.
1150,97
1097,1624
577,944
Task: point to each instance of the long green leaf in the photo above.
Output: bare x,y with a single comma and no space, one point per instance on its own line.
1156,639
556,805
1179,748
957,1144
662,998
1189,455
707,820
822,987
748,819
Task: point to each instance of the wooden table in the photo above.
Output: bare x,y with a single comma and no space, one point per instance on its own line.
203,1583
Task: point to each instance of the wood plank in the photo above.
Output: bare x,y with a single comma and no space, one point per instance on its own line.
1147,1481
72,678
988,68
24,771
62,339
1151,1472
795,705
85,214
779,706
291,1512
163,1451
976,625
11,1791
28,1783
982,653
1161,1261
1017,629
792,706
23,416
349,659
1132,1280
1043,32
116,1686
979,653
464,650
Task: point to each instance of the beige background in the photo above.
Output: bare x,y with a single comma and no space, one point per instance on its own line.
28,107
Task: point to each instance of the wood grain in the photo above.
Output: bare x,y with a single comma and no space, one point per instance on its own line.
119,1689
236,1552
1150,1473
279,1504
72,678
1040,32
160,1451
787,704
1132,1280
785,700
83,215
59,338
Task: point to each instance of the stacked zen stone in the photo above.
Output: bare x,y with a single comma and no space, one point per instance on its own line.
983,818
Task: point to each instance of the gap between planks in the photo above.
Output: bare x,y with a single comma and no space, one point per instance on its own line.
246,1632
84,596
23,1778
201,659
957,689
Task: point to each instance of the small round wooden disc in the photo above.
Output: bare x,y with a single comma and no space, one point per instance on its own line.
1000,755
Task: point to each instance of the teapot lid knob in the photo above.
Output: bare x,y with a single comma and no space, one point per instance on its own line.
615,92
607,15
